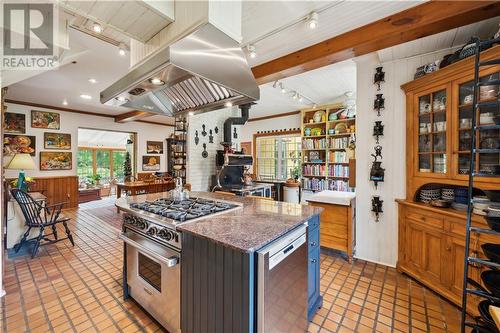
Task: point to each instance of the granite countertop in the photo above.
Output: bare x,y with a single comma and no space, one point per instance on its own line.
333,197
257,223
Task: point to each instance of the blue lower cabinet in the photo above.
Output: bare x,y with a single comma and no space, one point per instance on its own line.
315,300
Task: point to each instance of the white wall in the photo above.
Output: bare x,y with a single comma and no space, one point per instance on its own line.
378,242
70,122
200,170
281,123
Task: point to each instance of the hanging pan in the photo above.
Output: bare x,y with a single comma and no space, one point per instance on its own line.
491,280
484,310
492,251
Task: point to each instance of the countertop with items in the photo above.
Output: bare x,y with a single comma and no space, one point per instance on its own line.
255,224
333,197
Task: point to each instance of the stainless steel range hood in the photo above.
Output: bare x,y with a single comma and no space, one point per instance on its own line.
204,71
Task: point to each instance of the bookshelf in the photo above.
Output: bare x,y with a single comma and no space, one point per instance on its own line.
176,150
326,133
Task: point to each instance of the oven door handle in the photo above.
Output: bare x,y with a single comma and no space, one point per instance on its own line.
169,262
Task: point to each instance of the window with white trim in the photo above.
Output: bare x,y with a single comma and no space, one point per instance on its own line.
278,157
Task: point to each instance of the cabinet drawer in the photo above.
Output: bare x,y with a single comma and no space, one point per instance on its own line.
425,217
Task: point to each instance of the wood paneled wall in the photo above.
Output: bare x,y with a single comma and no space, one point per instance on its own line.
58,189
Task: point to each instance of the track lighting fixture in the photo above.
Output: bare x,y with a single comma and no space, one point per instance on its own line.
294,94
97,28
312,21
251,51
122,49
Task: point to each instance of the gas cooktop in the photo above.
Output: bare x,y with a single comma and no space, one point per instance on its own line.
183,210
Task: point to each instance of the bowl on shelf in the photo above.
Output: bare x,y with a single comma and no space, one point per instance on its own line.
340,128
486,118
493,195
465,123
441,203
496,119
493,221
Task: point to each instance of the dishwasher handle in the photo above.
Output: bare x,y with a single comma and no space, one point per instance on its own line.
286,251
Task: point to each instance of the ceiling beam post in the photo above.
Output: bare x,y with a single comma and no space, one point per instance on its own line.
132,116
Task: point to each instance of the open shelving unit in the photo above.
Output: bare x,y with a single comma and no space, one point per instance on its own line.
177,150
325,162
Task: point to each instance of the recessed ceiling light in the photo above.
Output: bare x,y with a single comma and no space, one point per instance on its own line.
97,28
85,96
314,106
191,113
228,104
312,21
121,99
122,49
251,51
156,81
92,80
64,102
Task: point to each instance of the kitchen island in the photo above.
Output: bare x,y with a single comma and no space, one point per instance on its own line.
220,254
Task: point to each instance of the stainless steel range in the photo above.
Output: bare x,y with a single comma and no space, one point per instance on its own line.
153,252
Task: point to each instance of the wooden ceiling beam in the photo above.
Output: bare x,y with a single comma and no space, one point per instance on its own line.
420,21
132,116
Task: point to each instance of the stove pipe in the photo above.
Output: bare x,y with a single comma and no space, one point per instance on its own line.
235,121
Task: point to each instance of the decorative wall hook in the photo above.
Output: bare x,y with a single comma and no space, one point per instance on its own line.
377,173
203,132
379,77
377,206
196,138
216,130
210,137
379,104
235,134
378,130
204,153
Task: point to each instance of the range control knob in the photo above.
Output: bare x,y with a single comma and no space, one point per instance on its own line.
152,231
165,234
141,224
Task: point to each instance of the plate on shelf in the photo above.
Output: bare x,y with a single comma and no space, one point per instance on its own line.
340,128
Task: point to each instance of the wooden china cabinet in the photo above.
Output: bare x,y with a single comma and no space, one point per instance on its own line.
438,121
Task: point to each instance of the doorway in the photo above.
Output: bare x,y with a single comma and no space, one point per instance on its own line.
101,160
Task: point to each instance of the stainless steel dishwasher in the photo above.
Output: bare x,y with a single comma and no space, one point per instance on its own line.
282,284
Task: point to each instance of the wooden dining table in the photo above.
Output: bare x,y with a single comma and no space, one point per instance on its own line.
136,187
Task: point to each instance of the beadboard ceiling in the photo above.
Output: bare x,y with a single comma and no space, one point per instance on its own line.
262,17
453,38
324,85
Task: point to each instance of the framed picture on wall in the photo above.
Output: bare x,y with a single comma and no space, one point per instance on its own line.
14,123
154,147
60,160
150,163
43,119
17,144
56,140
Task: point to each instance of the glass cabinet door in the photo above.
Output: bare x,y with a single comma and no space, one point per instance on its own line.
488,137
432,132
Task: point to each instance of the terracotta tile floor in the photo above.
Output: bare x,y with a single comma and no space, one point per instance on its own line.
66,289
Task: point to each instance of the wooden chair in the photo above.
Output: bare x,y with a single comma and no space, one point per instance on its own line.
40,216
259,197
225,193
